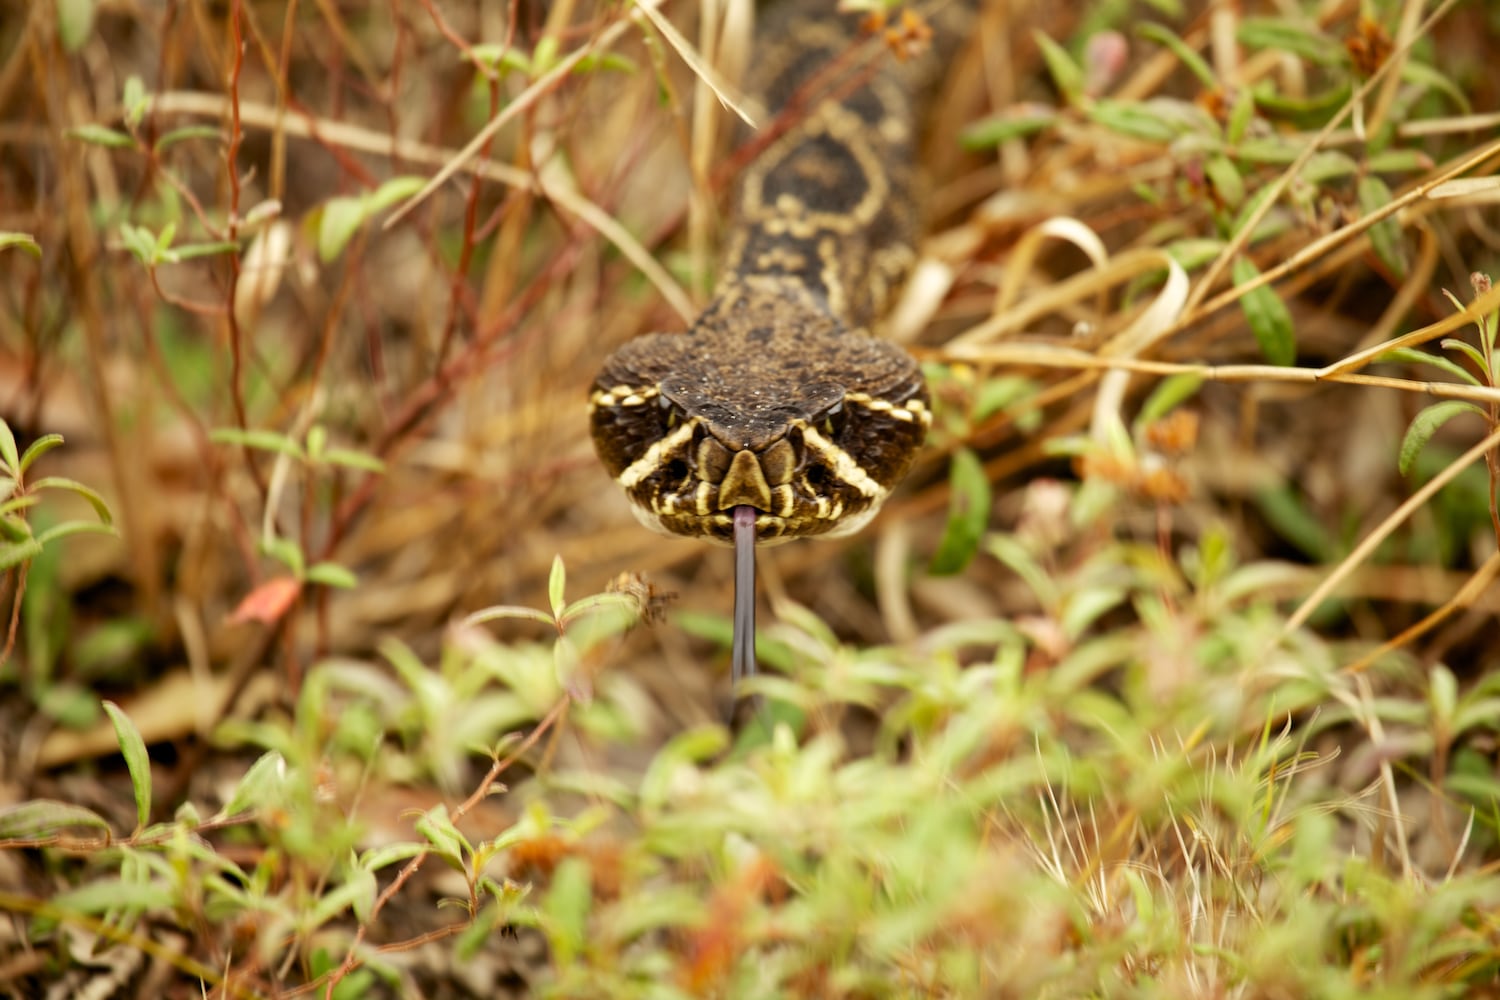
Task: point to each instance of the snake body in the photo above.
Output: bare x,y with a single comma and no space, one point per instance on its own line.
778,398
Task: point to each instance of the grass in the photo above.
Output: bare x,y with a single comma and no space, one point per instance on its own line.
1167,674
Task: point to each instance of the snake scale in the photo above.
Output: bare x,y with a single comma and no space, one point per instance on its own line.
778,415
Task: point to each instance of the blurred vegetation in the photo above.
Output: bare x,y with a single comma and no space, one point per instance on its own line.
335,666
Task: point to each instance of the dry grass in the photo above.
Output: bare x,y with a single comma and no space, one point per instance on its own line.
1208,711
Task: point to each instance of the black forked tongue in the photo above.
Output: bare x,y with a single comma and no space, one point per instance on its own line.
743,657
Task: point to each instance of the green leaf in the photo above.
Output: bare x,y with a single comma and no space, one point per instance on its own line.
1443,693
135,100
1289,36
1430,77
1226,180
593,619
501,611
112,647
331,574
114,895
1328,165
75,22
1425,424
500,58
99,135
133,748
544,55
38,448
1471,352
1066,73
15,553
613,62
164,239
1276,152
566,907
1241,114
1399,161
1169,394
260,440
1000,392
557,581
476,936
317,441
1385,235
1185,54
41,817
12,528
1289,517
386,855
69,528
990,132
338,221
73,486
352,459
286,552
1268,316
24,241
262,787
392,192
439,831
968,515
357,894
71,706
188,251
140,242
8,453
1305,112
1412,356
1134,119
186,133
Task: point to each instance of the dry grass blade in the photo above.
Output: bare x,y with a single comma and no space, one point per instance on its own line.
695,62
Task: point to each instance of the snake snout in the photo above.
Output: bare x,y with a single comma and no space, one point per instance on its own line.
746,476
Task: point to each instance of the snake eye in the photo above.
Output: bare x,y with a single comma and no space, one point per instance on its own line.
833,419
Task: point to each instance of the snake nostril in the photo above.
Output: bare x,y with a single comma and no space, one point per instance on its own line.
778,462
713,460
677,470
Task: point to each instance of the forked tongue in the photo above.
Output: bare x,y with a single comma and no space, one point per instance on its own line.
743,657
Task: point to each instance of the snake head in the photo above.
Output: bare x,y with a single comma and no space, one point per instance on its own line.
811,433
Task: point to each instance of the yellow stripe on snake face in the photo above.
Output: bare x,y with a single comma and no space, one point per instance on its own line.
655,455
845,468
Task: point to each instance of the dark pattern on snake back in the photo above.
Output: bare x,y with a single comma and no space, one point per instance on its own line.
778,398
